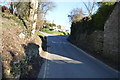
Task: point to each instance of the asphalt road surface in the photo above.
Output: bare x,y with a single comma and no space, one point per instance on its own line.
65,61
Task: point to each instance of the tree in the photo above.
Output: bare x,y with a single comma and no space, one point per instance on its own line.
53,24
23,9
59,26
43,9
46,6
11,7
90,6
76,15
33,14
28,11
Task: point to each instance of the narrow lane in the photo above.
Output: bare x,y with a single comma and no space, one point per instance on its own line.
65,61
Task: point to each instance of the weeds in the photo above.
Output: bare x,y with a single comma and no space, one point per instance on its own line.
15,18
13,24
4,24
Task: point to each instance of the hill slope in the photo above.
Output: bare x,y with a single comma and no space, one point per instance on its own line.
19,51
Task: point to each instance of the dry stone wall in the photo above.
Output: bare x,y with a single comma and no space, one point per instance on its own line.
111,33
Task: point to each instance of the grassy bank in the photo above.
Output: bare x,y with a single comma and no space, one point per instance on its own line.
54,32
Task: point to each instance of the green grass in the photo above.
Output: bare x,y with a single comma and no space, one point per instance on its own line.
15,18
39,34
47,30
13,24
8,24
59,33
51,32
4,24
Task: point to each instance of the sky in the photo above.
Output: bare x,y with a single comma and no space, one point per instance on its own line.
59,15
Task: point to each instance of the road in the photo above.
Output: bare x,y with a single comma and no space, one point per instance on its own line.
65,61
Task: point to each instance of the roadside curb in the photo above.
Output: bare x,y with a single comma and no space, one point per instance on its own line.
44,66
113,70
46,61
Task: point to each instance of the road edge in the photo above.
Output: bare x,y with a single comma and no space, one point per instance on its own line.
113,70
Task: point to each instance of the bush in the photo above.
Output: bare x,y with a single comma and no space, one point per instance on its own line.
20,67
102,15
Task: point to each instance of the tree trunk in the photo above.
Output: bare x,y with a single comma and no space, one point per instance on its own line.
33,14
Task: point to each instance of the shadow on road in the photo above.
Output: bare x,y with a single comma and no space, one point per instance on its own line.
61,56
59,46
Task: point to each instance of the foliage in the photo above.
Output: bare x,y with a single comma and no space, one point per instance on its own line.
110,2
90,5
46,6
96,22
52,32
4,24
14,18
17,63
39,34
13,24
40,22
76,15
23,9
59,26
46,30
48,25
102,14
20,67
52,24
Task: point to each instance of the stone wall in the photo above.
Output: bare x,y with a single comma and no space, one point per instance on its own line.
106,43
102,44
92,42
111,33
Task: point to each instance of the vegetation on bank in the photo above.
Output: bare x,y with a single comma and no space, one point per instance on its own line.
39,34
15,18
92,23
21,45
88,33
54,32
51,32
95,21
52,28
19,54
